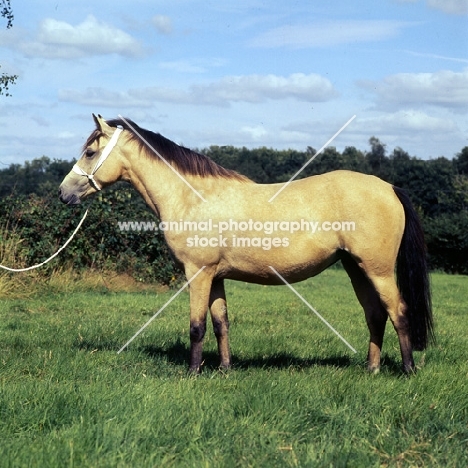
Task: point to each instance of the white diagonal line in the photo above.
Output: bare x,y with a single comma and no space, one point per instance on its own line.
312,158
54,255
161,309
157,153
313,310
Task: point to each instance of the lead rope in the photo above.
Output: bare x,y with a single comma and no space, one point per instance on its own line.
105,154
55,254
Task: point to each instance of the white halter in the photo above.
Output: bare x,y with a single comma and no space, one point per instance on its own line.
104,155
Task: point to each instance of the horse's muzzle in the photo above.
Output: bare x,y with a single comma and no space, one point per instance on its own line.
69,198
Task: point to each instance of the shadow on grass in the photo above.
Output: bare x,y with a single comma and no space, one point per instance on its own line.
178,354
286,361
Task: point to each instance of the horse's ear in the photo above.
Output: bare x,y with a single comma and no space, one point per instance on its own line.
101,124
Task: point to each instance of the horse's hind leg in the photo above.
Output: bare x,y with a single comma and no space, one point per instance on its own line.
376,315
219,317
396,309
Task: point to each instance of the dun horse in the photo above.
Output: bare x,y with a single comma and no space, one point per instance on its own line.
185,188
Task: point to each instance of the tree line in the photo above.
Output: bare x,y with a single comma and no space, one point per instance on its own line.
29,206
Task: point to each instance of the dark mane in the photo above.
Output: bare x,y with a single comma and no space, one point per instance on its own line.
186,161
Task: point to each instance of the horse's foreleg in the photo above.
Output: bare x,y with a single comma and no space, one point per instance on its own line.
220,321
199,297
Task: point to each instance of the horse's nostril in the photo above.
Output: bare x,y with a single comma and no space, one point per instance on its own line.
61,195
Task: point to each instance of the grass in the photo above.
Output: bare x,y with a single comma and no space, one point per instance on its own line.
11,256
297,396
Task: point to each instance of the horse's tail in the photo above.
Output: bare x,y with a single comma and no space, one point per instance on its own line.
413,276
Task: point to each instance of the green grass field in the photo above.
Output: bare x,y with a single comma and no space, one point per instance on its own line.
297,396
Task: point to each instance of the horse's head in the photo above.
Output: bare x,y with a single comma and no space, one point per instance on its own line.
95,169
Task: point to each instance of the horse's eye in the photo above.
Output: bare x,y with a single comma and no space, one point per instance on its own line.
89,153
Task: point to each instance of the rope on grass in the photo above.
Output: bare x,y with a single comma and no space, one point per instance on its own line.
54,255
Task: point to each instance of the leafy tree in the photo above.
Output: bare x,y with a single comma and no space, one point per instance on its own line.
460,189
377,159
40,176
460,161
377,152
286,164
355,160
447,242
7,12
6,80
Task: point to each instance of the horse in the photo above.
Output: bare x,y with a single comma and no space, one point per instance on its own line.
218,224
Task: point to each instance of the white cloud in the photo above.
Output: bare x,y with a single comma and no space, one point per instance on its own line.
10,37
455,7
61,40
406,121
420,133
444,88
162,23
259,88
249,89
257,133
331,33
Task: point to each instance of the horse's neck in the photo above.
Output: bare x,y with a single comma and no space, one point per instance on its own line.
163,189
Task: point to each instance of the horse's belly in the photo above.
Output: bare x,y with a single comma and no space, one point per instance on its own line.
270,265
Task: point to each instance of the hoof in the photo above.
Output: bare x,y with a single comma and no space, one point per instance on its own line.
374,370
409,370
195,370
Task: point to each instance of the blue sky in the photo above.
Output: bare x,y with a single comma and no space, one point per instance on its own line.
237,72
